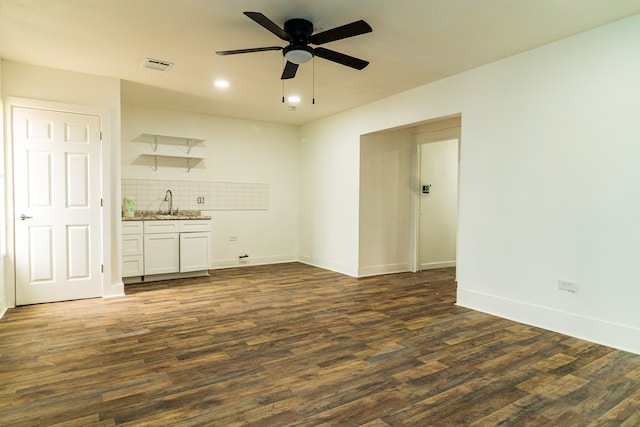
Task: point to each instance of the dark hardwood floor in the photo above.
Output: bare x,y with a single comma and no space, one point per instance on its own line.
294,345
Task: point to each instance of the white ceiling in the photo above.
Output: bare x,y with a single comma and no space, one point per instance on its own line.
413,42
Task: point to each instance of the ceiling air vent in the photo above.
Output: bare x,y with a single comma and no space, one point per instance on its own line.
156,64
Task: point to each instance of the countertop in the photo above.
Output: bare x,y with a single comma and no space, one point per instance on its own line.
162,216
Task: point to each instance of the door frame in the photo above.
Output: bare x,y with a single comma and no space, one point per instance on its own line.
105,186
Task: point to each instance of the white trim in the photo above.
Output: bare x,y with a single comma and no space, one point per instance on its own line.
245,262
3,189
611,334
3,216
440,264
376,270
3,306
329,265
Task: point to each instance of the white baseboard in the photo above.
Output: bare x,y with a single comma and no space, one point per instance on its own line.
329,265
245,262
622,337
116,290
434,265
3,306
376,270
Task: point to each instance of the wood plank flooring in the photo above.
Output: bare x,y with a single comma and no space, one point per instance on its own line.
294,345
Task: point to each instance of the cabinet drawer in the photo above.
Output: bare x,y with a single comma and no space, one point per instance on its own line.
194,225
169,226
132,244
132,227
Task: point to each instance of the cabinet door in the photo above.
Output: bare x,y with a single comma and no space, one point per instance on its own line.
132,266
161,253
194,251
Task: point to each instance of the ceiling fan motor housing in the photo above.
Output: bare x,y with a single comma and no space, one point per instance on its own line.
299,29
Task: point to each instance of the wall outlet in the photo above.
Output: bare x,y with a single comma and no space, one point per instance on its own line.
566,285
200,200
233,238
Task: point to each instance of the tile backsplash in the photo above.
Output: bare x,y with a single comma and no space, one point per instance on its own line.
149,194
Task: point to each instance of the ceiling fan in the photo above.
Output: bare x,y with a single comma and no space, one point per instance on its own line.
299,33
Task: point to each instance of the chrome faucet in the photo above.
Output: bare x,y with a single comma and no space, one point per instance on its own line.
168,197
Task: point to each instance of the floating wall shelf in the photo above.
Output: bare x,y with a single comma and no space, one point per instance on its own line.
181,148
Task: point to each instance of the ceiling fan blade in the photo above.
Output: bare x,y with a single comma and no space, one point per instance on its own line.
255,49
268,24
289,71
341,58
349,30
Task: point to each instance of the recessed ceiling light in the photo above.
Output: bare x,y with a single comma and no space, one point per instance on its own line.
221,84
294,99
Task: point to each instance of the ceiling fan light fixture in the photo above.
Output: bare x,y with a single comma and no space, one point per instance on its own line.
298,54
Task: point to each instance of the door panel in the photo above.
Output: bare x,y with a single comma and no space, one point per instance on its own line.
39,180
57,205
77,180
78,252
41,260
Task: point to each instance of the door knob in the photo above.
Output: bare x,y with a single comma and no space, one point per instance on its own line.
23,217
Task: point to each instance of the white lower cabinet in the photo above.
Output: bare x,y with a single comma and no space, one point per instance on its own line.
194,251
161,247
132,248
164,249
161,253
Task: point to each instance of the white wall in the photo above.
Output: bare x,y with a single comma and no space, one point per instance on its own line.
438,207
387,195
3,213
548,182
235,150
66,87
329,200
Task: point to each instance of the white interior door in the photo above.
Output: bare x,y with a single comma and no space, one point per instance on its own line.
57,198
438,207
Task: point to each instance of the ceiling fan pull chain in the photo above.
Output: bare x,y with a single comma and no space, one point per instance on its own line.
313,83
282,82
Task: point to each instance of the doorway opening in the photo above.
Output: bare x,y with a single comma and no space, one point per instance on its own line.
391,234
